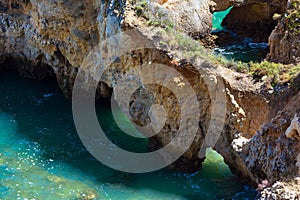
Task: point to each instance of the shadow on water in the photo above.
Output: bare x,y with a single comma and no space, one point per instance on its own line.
44,117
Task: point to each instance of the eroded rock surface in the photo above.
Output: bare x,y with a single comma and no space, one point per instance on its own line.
193,17
285,39
272,154
272,21
56,36
282,190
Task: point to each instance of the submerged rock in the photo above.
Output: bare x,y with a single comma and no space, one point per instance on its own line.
55,179
87,195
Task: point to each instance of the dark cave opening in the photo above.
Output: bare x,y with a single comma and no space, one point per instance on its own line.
254,20
242,32
36,71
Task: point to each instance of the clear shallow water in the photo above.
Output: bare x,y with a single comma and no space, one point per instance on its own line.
218,19
41,156
240,49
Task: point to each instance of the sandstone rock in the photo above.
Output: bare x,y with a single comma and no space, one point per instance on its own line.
192,17
294,128
285,38
52,34
278,155
286,190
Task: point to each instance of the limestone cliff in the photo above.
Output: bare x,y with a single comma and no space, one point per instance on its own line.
193,17
285,38
54,37
57,34
280,147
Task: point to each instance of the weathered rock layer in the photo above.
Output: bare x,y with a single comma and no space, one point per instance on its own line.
285,39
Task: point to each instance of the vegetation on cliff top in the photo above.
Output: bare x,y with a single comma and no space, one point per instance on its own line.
274,73
293,16
156,16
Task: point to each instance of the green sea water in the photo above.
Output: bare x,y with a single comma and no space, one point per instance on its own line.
41,156
218,18
240,49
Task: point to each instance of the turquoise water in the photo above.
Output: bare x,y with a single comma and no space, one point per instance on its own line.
218,19
42,157
244,51
239,49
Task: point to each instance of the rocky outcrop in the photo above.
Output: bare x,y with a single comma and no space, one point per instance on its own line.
56,34
294,129
220,5
285,39
254,18
278,156
192,17
247,109
59,34
285,190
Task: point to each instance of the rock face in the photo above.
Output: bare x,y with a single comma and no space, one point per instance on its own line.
294,130
282,190
220,5
285,39
54,37
193,17
60,34
280,148
54,33
254,18
281,139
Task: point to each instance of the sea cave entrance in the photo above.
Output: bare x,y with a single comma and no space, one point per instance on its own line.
242,32
39,141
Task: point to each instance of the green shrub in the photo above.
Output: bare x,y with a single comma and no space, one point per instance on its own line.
294,17
140,7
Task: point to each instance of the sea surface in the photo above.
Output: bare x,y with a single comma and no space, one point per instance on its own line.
42,157
239,49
